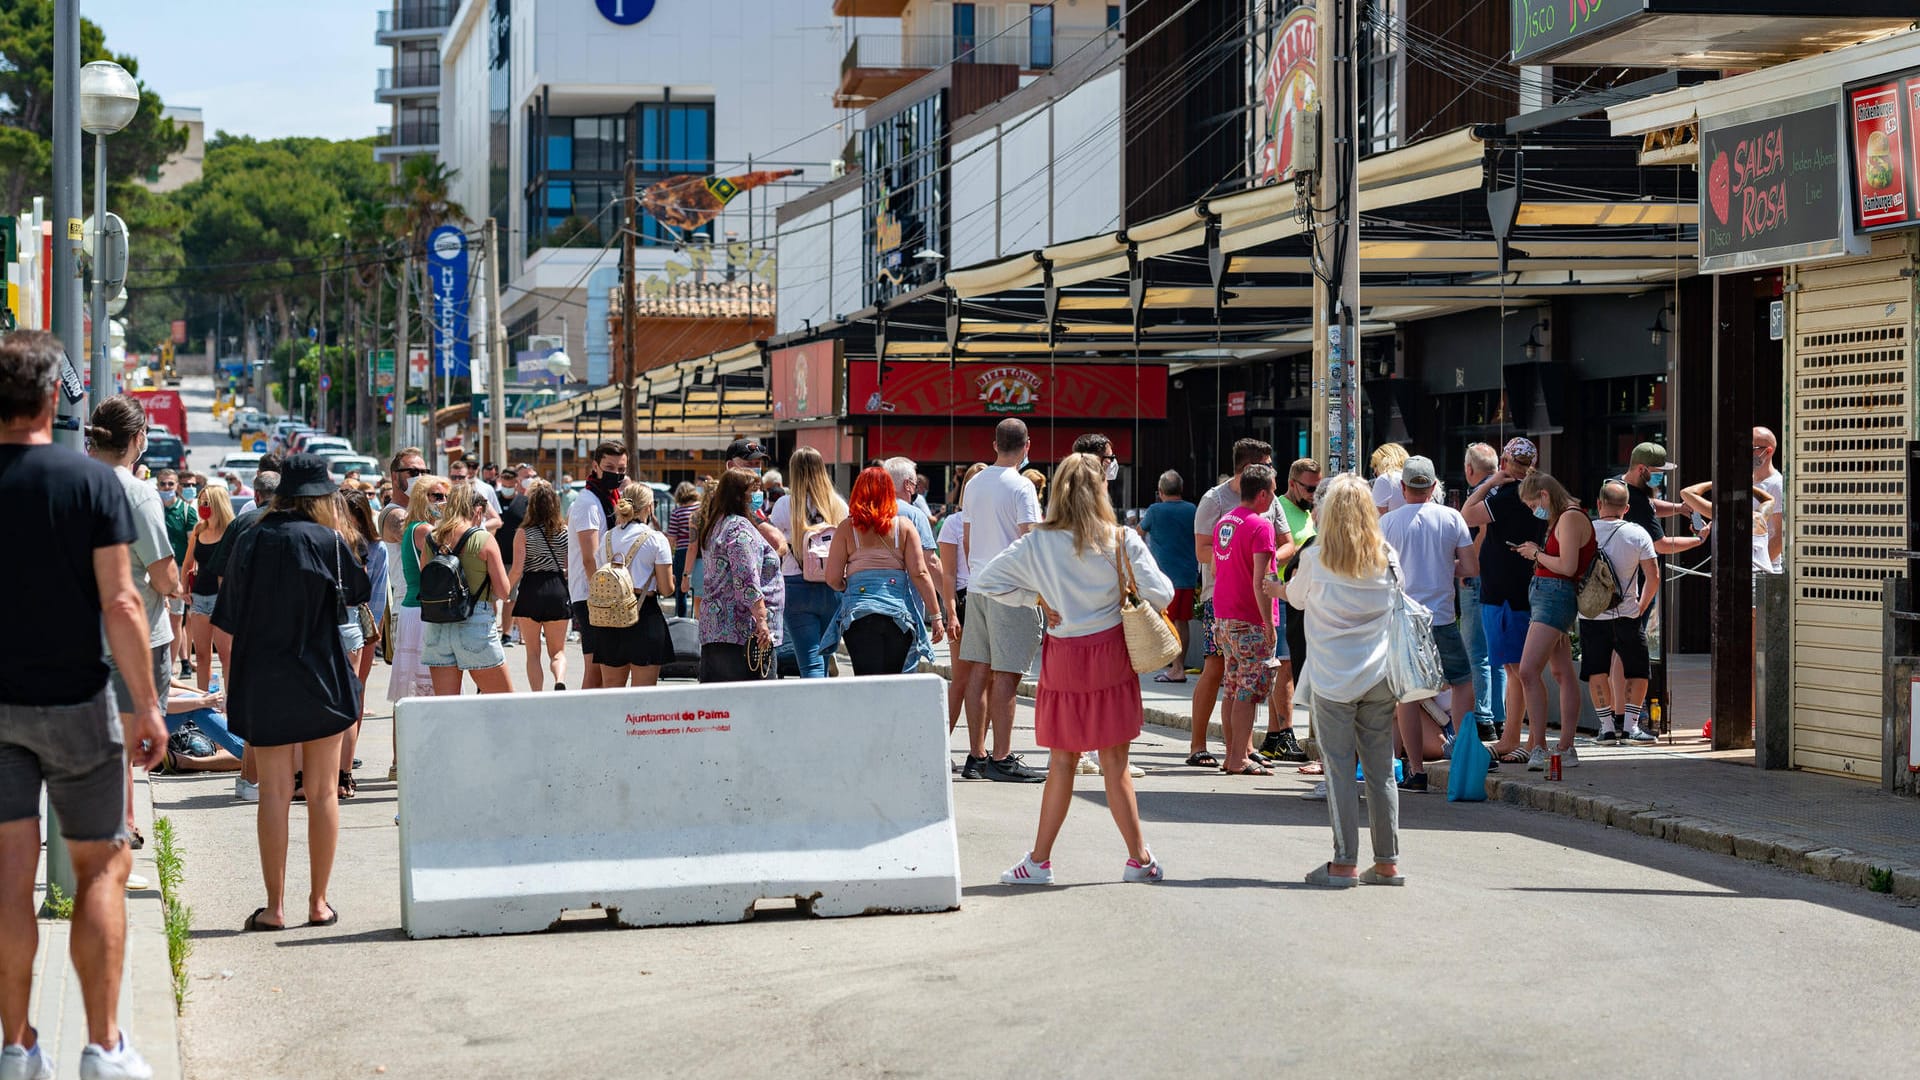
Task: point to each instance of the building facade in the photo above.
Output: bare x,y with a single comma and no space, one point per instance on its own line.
410,85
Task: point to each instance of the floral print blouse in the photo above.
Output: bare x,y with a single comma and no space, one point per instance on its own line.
741,567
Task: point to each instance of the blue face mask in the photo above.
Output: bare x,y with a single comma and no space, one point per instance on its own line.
759,500
1656,479
1540,512
167,497
1022,467
189,492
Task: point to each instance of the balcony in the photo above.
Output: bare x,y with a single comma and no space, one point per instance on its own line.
869,9
417,81
407,21
879,64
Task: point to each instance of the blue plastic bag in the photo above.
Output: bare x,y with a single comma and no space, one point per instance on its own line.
1467,776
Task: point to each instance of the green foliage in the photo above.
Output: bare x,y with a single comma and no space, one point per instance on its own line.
26,107
59,904
177,917
1879,879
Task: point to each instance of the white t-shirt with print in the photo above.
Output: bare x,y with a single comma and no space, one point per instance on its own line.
586,513
999,501
1624,545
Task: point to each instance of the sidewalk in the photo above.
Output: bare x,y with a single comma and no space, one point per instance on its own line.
1681,791
146,987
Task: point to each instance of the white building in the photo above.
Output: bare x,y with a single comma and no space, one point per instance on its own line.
540,131
411,86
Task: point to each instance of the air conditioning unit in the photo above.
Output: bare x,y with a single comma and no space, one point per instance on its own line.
837,168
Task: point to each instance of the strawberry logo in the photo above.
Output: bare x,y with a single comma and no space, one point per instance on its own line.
1719,186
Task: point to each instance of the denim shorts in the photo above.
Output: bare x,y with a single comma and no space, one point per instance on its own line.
1556,603
1280,632
352,637
473,645
79,753
1453,654
203,604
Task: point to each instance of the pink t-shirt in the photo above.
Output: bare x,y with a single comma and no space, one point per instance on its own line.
1241,534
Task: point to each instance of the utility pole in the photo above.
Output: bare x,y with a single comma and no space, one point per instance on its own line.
496,352
628,226
67,286
320,357
1336,287
402,358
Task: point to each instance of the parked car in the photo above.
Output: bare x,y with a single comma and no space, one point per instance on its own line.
285,430
240,463
164,452
343,464
246,419
313,444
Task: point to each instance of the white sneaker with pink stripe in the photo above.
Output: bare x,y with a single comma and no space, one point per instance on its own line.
1029,872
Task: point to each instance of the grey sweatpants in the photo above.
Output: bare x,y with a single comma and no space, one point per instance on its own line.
1363,728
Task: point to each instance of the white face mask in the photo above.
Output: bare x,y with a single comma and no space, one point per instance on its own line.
1113,469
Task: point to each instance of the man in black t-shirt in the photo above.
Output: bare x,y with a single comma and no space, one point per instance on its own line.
513,511
59,725
1505,577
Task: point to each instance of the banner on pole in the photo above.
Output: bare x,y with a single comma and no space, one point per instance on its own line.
447,275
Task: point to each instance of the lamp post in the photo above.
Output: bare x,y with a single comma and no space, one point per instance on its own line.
108,100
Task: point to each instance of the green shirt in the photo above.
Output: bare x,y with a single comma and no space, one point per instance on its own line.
1299,521
181,518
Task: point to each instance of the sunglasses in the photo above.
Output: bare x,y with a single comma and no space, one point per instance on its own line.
437,496
411,472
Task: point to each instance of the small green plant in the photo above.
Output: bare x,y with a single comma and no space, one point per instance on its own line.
59,904
177,917
1880,879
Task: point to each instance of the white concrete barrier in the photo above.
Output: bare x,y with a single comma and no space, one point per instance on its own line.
675,805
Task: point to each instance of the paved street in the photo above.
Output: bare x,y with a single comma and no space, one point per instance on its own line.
1526,944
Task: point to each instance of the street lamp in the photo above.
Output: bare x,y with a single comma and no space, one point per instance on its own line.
108,100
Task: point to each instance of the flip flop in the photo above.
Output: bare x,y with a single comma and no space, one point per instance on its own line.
1203,760
333,916
1162,677
254,924
1324,877
1370,877
1313,768
1251,768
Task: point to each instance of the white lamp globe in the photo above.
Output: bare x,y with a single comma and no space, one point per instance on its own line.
108,98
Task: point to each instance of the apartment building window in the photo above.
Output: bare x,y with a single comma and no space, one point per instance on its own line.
905,197
1040,36
419,64
1380,83
419,123
578,169
1113,16
963,32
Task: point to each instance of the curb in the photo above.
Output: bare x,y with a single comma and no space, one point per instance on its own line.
146,1004
1837,864
1841,865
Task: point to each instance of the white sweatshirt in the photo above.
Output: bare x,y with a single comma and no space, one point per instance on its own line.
1084,589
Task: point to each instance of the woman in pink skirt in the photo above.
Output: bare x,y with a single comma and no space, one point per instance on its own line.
1089,696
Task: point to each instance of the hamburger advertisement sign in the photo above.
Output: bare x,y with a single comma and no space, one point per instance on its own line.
1880,120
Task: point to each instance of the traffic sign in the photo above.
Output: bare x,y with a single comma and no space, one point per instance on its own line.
326,382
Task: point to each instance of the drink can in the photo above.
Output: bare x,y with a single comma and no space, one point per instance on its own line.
1553,766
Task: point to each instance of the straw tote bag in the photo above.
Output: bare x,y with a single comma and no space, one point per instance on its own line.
1151,641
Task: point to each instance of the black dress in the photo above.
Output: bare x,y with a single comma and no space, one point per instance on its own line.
287,581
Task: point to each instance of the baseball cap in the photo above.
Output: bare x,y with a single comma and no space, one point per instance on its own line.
1417,473
1653,455
746,448
1521,449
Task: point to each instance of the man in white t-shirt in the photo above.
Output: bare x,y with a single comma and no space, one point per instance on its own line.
1768,479
999,639
586,521
1436,551
1621,631
1213,506
462,473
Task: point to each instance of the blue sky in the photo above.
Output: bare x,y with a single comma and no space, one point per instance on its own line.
264,68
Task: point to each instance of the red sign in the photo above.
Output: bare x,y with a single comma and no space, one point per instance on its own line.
1042,391
1879,155
803,381
1288,90
1237,403
179,331
927,442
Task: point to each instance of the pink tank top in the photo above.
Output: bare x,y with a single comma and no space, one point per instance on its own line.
871,554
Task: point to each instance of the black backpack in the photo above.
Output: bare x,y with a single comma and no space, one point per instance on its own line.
444,597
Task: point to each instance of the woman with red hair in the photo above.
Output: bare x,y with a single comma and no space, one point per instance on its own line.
886,587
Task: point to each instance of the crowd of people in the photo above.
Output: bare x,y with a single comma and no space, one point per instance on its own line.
201,624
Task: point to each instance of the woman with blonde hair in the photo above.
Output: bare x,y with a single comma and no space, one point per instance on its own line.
953,588
633,543
426,501
1089,696
1039,481
1344,584
207,549
1554,597
1386,462
472,645
810,509
541,602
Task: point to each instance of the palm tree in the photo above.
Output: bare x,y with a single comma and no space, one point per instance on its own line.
419,202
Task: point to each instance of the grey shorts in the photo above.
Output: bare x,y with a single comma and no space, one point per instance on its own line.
78,752
162,673
1001,636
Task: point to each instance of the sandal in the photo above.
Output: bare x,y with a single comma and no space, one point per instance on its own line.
253,922
1251,768
1203,760
349,787
333,916
1313,768
1163,677
1515,756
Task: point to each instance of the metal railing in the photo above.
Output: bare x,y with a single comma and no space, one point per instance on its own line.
431,15
413,135
410,78
901,51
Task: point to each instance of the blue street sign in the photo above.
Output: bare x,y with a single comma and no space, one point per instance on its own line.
624,12
447,269
326,383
